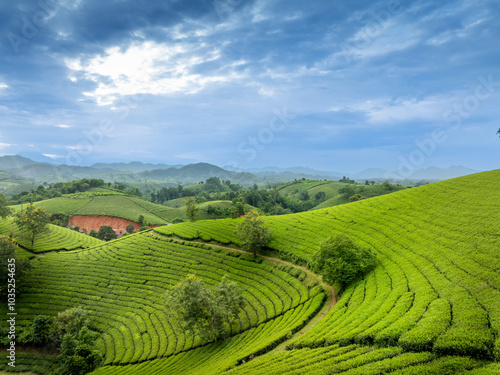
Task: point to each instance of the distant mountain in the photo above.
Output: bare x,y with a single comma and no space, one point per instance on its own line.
371,173
435,173
194,173
430,174
134,166
14,161
276,174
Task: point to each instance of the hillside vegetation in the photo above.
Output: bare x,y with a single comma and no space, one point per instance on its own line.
56,238
122,284
437,285
430,306
121,206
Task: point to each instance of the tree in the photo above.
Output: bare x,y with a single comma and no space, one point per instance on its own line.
4,210
202,310
76,341
320,196
356,197
252,232
40,330
12,266
340,260
192,209
79,355
347,191
106,233
34,221
140,220
130,228
93,233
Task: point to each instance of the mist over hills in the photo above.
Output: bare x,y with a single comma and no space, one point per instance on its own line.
22,168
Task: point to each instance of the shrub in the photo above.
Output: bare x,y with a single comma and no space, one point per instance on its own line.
340,260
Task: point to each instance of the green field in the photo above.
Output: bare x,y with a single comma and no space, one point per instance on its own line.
331,189
121,206
431,306
56,238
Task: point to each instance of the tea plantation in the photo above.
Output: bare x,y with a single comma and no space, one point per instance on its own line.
431,306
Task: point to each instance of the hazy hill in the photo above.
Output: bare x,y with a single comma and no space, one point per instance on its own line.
134,166
194,173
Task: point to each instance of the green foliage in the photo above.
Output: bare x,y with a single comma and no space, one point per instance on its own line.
34,221
39,332
340,260
106,233
204,310
56,238
4,210
130,228
69,322
56,190
13,269
252,232
78,353
192,209
356,197
347,191
177,220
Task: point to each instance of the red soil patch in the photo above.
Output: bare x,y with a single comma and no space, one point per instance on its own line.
95,222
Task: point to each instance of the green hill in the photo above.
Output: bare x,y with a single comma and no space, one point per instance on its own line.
122,206
431,306
330,191
122,283
56,238
437,286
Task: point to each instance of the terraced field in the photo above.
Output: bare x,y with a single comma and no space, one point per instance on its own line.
431,306
122,206
122,284
437,287
57,238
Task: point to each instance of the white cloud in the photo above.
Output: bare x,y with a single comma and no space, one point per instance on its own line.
54,156
4,145
62,126
404,109
3,86
150,68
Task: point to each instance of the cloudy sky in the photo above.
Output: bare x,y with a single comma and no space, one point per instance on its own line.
334,85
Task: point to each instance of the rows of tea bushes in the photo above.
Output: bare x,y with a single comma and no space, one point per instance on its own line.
219,356
437,285
122,284
56,238
34,362
355,360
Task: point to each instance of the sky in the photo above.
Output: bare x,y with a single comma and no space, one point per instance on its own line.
331,85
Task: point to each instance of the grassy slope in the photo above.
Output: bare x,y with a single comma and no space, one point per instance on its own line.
331,190
122,206
122,283
437,286
436,289
56,238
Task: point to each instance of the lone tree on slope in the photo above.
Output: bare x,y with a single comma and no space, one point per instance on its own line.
192,209
4,210
204,310
340,260
33,221
253,233
106,233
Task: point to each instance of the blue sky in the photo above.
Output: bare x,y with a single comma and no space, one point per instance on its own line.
332,85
